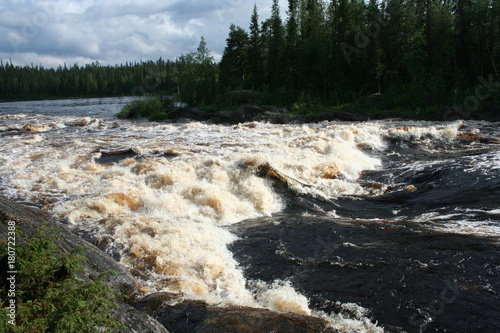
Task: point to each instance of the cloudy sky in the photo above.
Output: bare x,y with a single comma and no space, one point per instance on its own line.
54,32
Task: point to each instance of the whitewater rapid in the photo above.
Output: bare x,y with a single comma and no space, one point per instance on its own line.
164,207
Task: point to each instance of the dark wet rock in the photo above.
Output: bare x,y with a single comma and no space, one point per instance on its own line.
190,113
154,301
109,157
116,156
451,114
221,117
269,114
277,118
28,222
347,116
198,316
137,321
338,115
245,113
381,115
273,109
275,115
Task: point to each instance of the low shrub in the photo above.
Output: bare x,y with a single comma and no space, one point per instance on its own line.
151,108
49,296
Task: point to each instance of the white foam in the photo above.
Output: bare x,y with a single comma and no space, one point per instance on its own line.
424,130
462,222
166,214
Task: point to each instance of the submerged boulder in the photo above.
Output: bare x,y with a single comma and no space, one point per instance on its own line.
35,128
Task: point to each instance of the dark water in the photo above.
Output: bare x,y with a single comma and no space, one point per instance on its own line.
89,107
434,267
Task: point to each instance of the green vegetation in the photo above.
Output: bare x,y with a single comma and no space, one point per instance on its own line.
152,108
93,80
49,295
416,55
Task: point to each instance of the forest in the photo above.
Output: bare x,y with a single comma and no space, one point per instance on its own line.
413,55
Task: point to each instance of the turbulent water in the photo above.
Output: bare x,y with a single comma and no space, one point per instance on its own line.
382,225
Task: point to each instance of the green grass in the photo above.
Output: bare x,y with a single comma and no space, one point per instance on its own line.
49,295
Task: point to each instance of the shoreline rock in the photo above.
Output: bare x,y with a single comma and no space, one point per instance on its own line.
198,316
271,114
120,281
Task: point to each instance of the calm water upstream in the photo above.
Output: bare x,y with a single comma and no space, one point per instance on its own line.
377,226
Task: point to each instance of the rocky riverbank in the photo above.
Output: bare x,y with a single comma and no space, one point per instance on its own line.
270,114
276,115
153,312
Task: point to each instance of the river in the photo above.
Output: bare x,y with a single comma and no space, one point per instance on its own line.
375,226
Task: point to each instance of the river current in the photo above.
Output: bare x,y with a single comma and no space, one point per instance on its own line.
375,226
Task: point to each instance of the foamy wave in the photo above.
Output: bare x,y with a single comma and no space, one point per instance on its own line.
165,209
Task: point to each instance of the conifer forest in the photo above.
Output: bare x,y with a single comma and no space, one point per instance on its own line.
406,54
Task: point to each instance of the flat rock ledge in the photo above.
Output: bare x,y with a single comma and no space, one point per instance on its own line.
152,313
198,316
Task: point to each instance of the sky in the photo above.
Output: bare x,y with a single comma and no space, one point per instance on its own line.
58,32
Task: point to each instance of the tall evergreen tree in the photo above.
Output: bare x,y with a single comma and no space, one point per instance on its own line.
343,48
255,53
494,38
374,52
313,48
275,48
291,51
205,74
233,65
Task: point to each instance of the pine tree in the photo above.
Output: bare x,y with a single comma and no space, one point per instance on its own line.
313,48
255,51
275,48
291,51
233,65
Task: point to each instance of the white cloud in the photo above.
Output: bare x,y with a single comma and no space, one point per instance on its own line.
54,32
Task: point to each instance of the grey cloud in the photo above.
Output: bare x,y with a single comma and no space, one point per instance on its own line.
103,10
117,31
182,10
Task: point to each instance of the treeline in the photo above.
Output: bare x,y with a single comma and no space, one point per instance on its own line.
406,53
37,82
411,54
